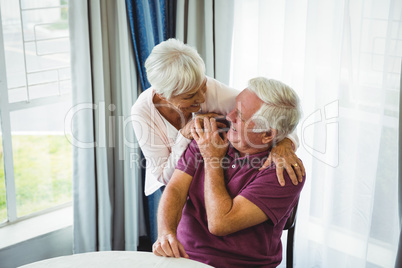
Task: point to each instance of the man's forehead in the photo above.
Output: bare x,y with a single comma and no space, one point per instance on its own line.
241,97
247,101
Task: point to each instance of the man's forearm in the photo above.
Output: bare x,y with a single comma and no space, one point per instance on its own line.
217,200
169,211
169,214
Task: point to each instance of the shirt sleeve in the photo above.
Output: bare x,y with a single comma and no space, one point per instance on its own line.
220,98
178,148
160,159
274,200
190,160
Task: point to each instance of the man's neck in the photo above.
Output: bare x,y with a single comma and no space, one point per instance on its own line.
253,151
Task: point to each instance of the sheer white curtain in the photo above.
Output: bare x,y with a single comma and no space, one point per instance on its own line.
343,58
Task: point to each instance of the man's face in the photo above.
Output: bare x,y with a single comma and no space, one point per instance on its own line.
241,133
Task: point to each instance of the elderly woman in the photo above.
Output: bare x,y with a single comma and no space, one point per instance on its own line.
163,114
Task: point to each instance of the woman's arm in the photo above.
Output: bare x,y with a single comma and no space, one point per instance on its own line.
219,98
284,157
161,156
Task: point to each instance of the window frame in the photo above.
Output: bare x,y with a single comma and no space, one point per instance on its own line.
5,126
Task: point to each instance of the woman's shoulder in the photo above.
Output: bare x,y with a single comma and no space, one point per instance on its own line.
213,83
214,86
143,102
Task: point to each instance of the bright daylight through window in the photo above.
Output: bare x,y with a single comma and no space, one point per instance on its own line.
35,90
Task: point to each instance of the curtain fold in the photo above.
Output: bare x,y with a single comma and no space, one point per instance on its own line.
398,262
207,25
81,83
106,182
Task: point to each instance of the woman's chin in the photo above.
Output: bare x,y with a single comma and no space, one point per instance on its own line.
194,108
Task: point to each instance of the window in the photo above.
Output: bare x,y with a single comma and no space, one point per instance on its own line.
35,91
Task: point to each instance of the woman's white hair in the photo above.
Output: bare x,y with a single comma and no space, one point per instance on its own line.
281,108
174,68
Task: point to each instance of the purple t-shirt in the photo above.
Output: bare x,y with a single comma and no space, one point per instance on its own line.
256,246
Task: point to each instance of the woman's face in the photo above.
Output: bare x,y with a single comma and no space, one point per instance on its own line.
190,102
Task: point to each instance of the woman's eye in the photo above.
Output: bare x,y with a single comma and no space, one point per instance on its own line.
190,97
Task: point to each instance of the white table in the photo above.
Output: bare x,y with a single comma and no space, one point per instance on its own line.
115,259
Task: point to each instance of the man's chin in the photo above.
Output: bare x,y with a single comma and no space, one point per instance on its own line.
231,139
236,145
232,136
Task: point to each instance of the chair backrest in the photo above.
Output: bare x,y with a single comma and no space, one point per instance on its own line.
292,218
290,227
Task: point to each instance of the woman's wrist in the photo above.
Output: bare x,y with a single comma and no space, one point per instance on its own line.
186,134
289,143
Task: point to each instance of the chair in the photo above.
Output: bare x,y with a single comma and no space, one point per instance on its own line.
290,227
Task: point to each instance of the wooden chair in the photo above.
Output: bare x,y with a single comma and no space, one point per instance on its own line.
290,227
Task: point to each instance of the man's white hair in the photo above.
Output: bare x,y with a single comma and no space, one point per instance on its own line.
174,68
281,108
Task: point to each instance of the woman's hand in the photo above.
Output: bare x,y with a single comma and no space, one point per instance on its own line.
284,156
186,130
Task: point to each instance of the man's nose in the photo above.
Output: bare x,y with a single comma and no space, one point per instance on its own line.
230,117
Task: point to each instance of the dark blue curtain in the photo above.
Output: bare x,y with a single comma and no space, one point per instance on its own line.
151,22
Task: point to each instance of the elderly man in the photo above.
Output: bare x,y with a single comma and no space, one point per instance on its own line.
219,208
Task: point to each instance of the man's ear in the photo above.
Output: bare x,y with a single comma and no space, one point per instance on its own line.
269,136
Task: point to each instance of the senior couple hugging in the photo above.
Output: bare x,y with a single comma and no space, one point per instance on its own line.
227,197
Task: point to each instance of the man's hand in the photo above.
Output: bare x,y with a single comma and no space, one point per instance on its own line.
169,246
284,156
212,146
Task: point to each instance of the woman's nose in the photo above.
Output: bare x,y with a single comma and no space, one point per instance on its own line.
200,97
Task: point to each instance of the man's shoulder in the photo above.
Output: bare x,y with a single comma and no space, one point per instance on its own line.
268,175
193,146
193,151
190,160
268,171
